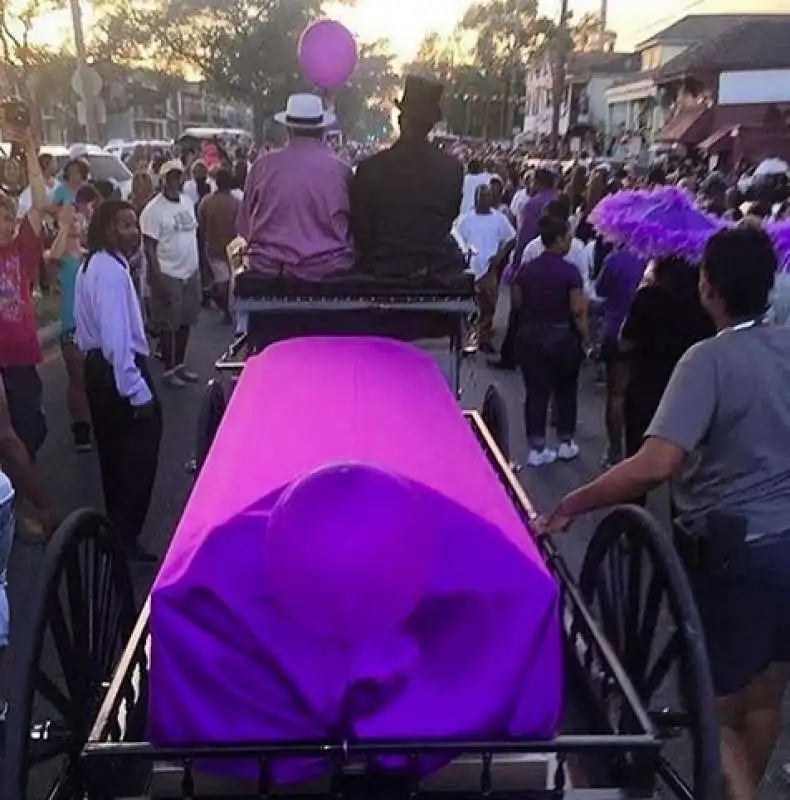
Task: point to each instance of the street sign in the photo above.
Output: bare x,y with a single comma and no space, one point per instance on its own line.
86,82
99,110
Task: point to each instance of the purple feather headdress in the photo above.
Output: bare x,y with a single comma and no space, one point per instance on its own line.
780,235
656,223
665,222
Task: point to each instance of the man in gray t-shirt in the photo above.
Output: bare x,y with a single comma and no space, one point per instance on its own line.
722,434
734,421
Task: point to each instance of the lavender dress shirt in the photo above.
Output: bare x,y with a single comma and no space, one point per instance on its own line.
295,214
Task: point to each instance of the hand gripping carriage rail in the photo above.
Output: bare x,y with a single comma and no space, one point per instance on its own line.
572,687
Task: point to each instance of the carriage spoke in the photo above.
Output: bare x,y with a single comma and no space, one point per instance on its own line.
661,667
64,647
80,617
654,600
648,628
634,600
47,688
78,610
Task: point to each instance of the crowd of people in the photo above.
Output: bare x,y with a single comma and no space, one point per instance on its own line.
695,365
119,291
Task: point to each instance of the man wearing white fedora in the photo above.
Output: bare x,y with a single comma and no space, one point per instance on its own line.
295,216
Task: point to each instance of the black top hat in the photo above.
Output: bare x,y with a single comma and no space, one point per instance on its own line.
422,98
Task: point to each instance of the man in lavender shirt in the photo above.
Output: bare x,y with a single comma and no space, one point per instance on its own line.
543,192
295,215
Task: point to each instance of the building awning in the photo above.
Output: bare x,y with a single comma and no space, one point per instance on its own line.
688,127
720,141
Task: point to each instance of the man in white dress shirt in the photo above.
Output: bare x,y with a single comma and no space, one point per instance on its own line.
126,415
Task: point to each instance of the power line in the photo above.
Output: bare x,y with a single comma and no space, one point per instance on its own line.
672,17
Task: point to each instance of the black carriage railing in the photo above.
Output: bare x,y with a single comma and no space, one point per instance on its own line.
233,358
587,648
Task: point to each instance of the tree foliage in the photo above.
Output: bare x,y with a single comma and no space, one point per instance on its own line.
587,36
38,74
243,49
483,62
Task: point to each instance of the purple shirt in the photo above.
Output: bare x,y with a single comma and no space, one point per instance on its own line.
530,215
546,283
295,214
619,279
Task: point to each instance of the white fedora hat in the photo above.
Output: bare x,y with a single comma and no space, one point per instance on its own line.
305,111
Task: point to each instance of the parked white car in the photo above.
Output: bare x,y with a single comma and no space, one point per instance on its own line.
104,166
123,148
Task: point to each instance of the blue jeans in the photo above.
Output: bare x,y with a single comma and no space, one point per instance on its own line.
6,540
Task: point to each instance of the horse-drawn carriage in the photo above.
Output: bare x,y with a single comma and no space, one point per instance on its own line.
354,603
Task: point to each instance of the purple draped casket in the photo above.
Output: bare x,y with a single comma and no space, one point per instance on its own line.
349,565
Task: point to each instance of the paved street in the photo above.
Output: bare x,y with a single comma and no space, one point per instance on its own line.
74,479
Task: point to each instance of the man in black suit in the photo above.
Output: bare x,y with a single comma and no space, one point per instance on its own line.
404,200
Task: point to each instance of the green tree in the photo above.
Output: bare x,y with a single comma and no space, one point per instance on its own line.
507,34
244,49
587,36
365,104
483,64
39,75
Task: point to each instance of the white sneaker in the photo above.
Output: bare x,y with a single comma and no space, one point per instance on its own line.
541,458
567,451
3,712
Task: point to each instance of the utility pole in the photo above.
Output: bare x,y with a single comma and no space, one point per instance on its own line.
560,59
88,98
604,13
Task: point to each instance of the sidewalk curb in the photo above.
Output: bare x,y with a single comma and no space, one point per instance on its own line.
48,336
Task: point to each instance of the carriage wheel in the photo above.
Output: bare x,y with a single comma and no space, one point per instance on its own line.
494,414
211,411
80,616
636,586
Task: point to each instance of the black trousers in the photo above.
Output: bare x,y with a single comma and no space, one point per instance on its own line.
507,353
128,446
23,392
550,370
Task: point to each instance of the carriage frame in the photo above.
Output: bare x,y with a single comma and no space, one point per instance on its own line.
621,747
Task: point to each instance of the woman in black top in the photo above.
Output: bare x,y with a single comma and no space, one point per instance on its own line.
664,320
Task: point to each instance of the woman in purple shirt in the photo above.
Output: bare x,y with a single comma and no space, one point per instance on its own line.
552,339
616,285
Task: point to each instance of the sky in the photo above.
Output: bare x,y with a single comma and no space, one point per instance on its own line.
406,22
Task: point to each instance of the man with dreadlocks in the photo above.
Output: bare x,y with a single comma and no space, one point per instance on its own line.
127,417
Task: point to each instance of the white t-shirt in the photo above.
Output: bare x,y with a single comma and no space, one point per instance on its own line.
173,226
191,191
471,183
578,255
484,235
25,201
517,204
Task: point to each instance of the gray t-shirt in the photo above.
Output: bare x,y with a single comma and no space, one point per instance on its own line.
728,406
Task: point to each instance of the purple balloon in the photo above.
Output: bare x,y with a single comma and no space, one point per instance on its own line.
327,53
348,551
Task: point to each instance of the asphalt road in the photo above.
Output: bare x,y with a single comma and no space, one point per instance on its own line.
74,479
